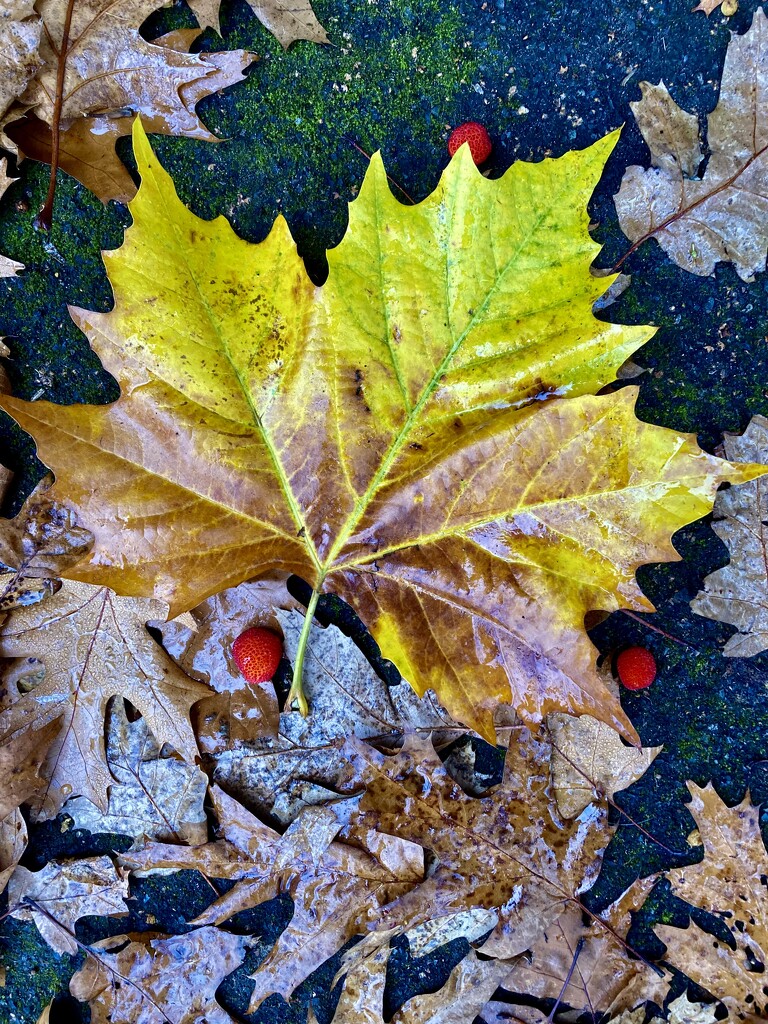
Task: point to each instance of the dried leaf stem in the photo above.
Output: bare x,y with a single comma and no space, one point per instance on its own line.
45,216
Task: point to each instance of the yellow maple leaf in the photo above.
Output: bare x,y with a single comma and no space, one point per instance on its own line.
396,436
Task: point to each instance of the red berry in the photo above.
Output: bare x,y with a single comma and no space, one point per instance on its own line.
257,653
479,143
636,667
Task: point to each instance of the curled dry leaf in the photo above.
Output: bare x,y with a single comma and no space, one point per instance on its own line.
317,447
516,855
154,793
336,888
589,762
94,646
159,980
66,892
738,593
721,216
732,883
302,764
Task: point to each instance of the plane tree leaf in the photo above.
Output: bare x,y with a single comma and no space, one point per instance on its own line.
93,645
721,216
738,593
386,436
731,882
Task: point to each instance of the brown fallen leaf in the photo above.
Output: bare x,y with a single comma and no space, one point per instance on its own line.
738,593
605,979
20,29
732,883
155,794
13,843
66,892
470,985
516,855
721,216
201,644
44,539
111,75
159,980
287,20
20,761
94,646
590,762
672,135
336,888
87,146
727,7
302,764
8,267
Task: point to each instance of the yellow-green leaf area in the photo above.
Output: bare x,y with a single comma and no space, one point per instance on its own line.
416,434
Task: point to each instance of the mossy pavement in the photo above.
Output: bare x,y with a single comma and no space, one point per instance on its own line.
544,78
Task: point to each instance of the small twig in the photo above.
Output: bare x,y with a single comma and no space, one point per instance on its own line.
567,982
657,629
389,177
45,216
28,901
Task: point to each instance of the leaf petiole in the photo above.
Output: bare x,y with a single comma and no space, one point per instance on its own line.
296,692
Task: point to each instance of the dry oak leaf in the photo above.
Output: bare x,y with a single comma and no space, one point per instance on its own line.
87,147
112,74
20,30
732,883
154,794
160,980
516,855
66,892
738,593
13,843
302,763
287,20
721,216
590,762
605,979
379,443
336,888
470,985
94,645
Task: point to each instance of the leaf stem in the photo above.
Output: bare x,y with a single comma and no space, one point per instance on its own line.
45,216
296,692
